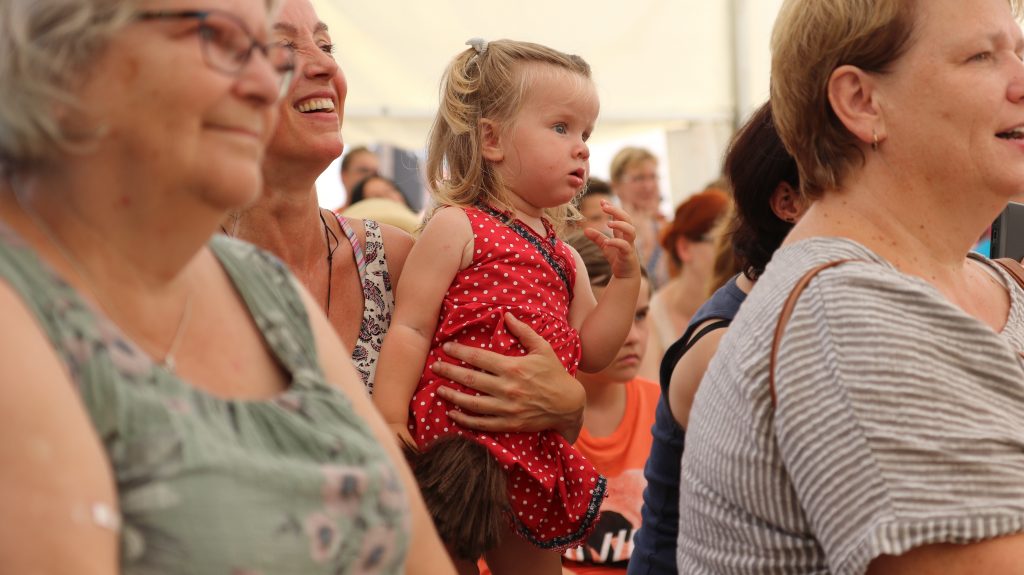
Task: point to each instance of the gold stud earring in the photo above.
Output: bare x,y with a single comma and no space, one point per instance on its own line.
874,140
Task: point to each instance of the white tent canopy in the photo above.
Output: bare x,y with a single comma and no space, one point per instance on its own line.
686,68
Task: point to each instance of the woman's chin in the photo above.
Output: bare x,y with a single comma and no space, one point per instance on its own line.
235,191
328,148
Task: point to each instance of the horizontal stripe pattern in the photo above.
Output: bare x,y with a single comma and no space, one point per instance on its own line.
900,422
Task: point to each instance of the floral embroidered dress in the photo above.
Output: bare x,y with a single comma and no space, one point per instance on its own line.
554,492
378,297
295,484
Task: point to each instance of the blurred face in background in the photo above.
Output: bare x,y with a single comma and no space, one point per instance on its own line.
361,166
697,255
382,188
626,364
593,216
638,186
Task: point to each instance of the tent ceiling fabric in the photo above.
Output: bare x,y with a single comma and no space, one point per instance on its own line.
657,63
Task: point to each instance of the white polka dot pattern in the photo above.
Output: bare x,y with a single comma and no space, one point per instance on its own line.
554,491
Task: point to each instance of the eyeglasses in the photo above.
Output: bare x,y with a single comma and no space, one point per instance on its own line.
227,44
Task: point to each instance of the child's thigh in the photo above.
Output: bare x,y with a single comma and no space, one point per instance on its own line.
514,555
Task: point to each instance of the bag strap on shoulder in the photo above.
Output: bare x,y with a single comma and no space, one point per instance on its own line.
787,310
1014,268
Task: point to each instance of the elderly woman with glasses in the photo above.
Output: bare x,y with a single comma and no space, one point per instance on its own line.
170,403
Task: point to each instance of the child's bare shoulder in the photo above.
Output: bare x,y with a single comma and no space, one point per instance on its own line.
446,216
450,226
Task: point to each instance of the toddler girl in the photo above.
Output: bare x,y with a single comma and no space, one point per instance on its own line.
507,156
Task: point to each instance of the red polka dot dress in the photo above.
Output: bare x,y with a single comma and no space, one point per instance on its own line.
554,492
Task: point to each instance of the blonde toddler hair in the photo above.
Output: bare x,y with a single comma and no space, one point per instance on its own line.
490,83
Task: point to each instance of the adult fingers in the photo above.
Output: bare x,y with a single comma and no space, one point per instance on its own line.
483,423
481,404
481,359
529,339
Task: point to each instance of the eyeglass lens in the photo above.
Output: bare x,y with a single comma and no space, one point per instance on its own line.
228,47
227,44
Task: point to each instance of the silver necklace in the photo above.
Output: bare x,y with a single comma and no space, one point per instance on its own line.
167,363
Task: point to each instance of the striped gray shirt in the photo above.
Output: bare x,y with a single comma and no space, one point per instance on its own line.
900,423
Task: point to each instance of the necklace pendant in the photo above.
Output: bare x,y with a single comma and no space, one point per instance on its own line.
168,364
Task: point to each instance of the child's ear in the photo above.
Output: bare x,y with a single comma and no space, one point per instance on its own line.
490,140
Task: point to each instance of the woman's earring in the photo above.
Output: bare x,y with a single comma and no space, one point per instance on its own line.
874,140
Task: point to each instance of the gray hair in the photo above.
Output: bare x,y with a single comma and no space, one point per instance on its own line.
46,48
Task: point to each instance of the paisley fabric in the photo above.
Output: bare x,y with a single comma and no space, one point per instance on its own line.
378,297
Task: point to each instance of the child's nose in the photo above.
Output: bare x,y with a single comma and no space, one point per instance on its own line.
584,151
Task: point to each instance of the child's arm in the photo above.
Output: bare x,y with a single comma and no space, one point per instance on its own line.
444,247
605,325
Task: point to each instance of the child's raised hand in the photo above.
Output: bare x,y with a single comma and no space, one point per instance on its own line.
618,249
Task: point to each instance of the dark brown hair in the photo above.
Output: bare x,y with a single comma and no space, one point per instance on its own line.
756,163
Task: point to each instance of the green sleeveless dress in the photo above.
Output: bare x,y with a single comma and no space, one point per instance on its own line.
293,484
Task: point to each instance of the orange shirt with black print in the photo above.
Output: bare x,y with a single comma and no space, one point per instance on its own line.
620,457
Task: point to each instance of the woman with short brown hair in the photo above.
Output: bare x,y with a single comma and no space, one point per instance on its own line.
884,433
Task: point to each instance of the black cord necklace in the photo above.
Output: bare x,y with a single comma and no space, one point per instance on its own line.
328,234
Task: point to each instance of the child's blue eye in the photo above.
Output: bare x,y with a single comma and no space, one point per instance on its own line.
561,129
